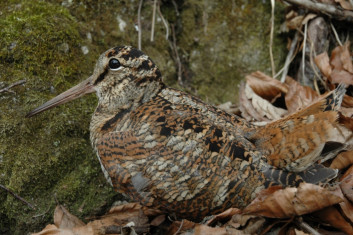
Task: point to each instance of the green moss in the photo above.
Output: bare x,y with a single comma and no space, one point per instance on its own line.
40,42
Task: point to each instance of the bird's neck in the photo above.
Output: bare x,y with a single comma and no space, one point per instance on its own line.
118,102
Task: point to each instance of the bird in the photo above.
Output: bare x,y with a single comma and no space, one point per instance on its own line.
169,150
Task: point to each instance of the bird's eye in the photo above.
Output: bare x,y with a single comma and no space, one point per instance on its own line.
114,64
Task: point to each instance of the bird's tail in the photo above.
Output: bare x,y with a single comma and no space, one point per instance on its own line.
294,143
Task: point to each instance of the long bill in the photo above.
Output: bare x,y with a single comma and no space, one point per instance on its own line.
85,87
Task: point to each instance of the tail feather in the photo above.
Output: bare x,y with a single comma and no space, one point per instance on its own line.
294,143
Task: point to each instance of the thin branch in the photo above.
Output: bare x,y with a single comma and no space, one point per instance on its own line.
306,227
325,9
139,24
17,197
289,57
7,89
336,35
176,7
271,36
164,21
174,47
180,227
304,50
153,19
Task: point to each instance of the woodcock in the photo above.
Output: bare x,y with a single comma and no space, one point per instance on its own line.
170,150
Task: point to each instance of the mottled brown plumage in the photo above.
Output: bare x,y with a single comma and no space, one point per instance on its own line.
170,150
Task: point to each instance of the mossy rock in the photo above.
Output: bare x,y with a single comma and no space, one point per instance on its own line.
48,159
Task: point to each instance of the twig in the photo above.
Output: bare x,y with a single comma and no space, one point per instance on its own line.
176,8
306,227
271,36
153,19
7,89
164,21
174,47
336,35
180,227
315,70
325,9
304,49
18,197
139,24
289,57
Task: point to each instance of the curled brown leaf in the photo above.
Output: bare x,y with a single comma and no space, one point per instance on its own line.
289,202
298,96
266,86
323,63
342,160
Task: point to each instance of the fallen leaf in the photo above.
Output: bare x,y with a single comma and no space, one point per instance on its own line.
263,107
51,229
129,217
299,232
179,227
265,86
345,4
158,220
289,202
332,216
342,160
341,76
347,187
347,101
308,17
342,66
249,224
201,229
225,215
347,209
64,219
323,63
247,110
341,58
298,96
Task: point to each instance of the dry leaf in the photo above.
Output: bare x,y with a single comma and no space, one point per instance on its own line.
347,187
158,220
130,215
206,230
293,201
341,59
308,17
341,76
51,229
250,224
332,216
295,22
342,160
347,101
178,227
225,215
323,63
263,107
265,86
247,110
347,209
345,4
298,96
342,65
64,219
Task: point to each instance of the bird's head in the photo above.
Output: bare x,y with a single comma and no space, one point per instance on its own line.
122,75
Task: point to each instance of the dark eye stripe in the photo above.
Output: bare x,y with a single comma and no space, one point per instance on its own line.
101,76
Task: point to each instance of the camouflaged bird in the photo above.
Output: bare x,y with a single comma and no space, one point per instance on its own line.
170,150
